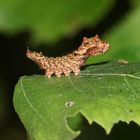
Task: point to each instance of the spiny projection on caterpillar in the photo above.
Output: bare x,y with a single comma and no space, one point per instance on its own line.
73,61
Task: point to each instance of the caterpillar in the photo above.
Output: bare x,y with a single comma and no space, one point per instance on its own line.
73,61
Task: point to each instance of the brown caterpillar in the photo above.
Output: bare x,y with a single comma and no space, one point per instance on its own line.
71,62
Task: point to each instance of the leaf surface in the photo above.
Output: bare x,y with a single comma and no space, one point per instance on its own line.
105,93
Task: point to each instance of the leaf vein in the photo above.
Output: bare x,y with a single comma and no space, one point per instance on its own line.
128,84
111,74
28,101
73,84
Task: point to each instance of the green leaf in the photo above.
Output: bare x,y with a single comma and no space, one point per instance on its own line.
51,20
105,93
124,39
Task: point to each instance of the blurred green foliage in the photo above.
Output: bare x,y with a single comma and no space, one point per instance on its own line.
51,20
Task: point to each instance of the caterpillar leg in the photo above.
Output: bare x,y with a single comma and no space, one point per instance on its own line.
49,73
58,74
66,71
76,71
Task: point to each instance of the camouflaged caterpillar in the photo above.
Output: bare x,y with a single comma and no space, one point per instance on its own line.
71,62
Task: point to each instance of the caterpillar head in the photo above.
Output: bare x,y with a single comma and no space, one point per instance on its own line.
93,46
